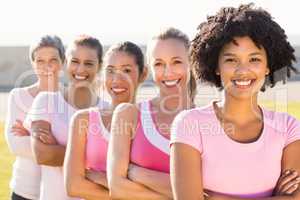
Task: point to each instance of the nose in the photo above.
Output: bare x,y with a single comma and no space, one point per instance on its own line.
242,68
80,68
48,67
168,70
118,76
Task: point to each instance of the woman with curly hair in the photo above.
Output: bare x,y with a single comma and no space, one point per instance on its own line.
236,148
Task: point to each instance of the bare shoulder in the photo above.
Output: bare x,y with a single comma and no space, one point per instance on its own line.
126,116
126,111
80,118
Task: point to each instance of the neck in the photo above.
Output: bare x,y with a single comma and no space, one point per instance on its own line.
175,103
240,110
116,102
81,97
48,84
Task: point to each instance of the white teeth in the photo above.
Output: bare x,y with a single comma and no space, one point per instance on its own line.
80,77
243,83
171,83
118,90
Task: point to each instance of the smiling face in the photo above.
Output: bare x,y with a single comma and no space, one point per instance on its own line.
121,76
242,67
82,64
46,62
170,65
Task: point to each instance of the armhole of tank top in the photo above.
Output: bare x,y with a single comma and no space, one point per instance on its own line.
138,121
91,120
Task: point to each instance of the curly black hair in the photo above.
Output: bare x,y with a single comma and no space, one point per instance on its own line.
246,20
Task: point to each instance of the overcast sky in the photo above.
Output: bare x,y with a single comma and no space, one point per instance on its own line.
21,21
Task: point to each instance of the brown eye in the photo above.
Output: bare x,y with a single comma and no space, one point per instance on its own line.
89,64
177,62
255,60
127,71
54,60
158,64
109,70
230,60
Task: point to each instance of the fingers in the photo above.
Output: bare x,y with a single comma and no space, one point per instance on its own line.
286,177
18,123
291,184
41,130
88,173
130,166
46,138
292,189
19,129
20,132
43,138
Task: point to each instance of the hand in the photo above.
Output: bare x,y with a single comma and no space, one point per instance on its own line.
211,195
96,177
19,130
133,172
45,136
287,183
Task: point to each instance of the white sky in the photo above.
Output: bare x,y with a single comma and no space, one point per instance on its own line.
21,21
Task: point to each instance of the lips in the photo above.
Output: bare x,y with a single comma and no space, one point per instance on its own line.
80,77
118,90
171,83
243,83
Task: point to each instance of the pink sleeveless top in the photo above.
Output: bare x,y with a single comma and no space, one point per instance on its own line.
149,148
97,142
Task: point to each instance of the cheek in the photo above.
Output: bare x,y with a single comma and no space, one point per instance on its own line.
92,72
227,70
157,74
184,72
56,67
131,80
107,82
260,71
38,66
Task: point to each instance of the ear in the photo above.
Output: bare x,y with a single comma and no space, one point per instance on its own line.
267,71
64,64
217,72
144,75
99,67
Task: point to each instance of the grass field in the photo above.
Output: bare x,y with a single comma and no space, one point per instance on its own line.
6,158
6,161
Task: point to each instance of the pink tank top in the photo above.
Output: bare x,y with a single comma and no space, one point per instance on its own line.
149,148
97,142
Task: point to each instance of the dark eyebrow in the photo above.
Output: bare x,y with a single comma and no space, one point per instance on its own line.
126,65
176,57
251,54
255,54
158,59
228,54
90,61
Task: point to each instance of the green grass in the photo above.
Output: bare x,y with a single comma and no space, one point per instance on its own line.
6,158
6,161
292,108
